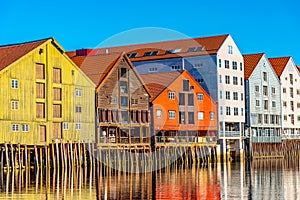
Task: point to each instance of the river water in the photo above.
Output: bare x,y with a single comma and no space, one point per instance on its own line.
260,179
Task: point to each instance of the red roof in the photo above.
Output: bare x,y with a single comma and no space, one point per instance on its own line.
158,82
210,46
279,64
11,53
250,62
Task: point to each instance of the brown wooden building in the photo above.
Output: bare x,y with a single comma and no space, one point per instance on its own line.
122,100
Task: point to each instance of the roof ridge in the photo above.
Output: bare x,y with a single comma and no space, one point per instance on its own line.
21,43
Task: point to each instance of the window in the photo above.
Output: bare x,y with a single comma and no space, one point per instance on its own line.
212,116
241,66
131,55
15,105
242,96
221,94
273,104
15,127
56,130
291,92
195,49
78,109
65,126
284,90
123,87
40,110
226,64
181,117
220,78
134,101
78,93
266,104
227,79
200,97
152,69
124,101
257,103
124,116
220,63
259,120
266,119
200,115
298,117
14,83
236,111
291,79
40,71
171,114
265,77
171,51
298,105
57,94
113,100
242,81
191,118
186,85
56,75
298,92
230,49
273,117
25,127
198,65
235,80
40,90
292,105
273,90
242,111
221,110
191,99
78,126
235,96
151,53
227,110
123,72
292,119
158,114
181,99
57,110
175,67
171,95
234,65
228,95
257,88
284,104
265,90
285,117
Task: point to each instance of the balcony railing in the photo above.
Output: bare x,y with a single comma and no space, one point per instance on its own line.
230,134
291,136
185,139
267,139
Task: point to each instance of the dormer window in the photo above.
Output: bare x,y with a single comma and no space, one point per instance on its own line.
151,53
131,55
195,49
173,51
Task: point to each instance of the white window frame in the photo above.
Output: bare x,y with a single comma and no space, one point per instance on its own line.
172,114
25,128
14,83
171,95
200,115
230,49
15,127
158,113
200,97
212,116
65,126
78,92
78,126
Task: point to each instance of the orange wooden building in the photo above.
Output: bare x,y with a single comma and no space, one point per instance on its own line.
181,110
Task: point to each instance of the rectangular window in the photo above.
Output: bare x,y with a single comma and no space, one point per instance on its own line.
242,81
284,90
265,90
298,92
78,109
177,67
257,103
235,96
78,126
221,94
242,111
230,51
124,101
123,72
123,87
234,65
273,91
220,78
212,116
228,95
57,111
226,64
152,69
171,114
257,88
220,63
266,119
235,80
291,79
266,104
242,96
57,94
134,101
40,71
15,105
259,120
65,126
181,99
241,66
227,110
158,114
40,90
272,119
200,97
25,128
298,105
124,115
265,76
56,75
200,115
285,117
56,130
291,92
292,119
113,100
273,104
15,127
221,110
14,83
227,79
236,111
186,85
284,104
171,95
191,99
298,117
292,105
40,110
191,117
78,92
43,135
181,117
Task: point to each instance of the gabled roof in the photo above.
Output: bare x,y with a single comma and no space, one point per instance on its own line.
279,64
158,82
250,63
11,53
210,45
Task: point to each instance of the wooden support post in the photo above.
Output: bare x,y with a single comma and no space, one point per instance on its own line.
1,164
7,158
71,152
84,154
36,156
19,157
53,156
46,158
62,156
57,154
12,156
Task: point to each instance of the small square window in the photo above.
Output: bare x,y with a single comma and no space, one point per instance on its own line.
25,127
134,101
200,97
14,105
78,109
78,93
200,115
158,114
14,83
15,127
171,114
171,95
78,126
65,126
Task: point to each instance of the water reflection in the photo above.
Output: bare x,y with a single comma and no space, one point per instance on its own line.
261,179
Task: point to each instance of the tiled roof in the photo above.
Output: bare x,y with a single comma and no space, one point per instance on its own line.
96,66
279,64
11,53
210,46
158,82
250,62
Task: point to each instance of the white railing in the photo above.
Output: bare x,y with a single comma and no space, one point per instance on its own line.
230,134
267,139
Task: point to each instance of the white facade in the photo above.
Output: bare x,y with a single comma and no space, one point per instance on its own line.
290,93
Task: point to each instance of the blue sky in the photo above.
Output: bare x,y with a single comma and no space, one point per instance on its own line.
272,27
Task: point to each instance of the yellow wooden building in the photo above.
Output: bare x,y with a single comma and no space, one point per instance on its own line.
44,96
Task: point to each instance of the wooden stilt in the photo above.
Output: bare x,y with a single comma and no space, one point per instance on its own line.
36,156
12,156
19,156
53,156
41,157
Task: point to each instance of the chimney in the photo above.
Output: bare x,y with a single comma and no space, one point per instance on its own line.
83,52
106,51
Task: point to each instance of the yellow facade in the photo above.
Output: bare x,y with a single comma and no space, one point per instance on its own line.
60,126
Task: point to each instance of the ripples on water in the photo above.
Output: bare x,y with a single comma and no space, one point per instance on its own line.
262,179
